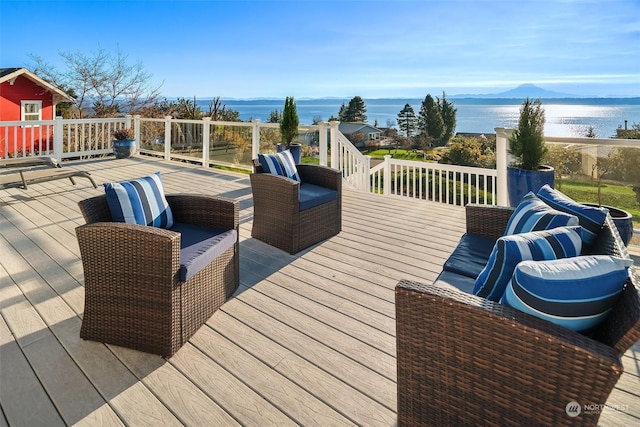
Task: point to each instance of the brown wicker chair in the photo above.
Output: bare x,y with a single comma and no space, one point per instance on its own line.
133,295
277,219
464,360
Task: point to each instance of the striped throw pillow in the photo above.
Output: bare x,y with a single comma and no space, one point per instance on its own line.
532,214
591,218
139,201
281,163
562,242
576,293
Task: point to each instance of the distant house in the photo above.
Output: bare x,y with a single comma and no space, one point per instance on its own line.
26,97
360,133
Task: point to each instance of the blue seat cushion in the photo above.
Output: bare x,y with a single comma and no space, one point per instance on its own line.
449,279
314,195
470,256
201,245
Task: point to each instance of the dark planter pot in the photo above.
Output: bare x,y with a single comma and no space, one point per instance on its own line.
623,221
296,151
124,148
521,181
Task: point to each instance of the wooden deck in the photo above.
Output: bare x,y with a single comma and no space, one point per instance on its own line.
307,339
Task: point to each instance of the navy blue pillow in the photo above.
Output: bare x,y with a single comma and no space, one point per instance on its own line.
562,242
576,293
591,218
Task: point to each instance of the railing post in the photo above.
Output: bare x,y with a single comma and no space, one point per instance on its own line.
206,135
255,138
323,147
366,175
136,128
167,137
335,150
502,135
127,120
58,138
386,186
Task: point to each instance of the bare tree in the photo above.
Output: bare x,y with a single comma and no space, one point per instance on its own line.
103,81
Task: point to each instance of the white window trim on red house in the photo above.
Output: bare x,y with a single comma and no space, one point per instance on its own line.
28,116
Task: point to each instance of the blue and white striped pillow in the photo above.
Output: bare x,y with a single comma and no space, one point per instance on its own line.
139,201
576,293
591,218
281,163
562,242
532,214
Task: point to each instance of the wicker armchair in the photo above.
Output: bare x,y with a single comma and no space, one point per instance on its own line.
464,360
277,219
133,294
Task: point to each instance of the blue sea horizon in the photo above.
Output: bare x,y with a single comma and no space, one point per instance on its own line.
565,117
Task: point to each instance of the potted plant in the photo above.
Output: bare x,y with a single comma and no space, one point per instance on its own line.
124,144
289,129
526,145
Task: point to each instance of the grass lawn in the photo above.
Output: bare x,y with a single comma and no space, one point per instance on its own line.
615,195
400,154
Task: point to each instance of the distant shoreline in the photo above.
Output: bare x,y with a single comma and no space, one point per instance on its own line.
465,100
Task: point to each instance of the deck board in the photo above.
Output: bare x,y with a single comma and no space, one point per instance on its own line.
307,339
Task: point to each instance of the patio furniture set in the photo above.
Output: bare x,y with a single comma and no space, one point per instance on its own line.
157,267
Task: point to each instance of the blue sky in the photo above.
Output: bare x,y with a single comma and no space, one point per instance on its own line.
260,48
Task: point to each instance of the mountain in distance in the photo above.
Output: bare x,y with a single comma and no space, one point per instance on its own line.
522,91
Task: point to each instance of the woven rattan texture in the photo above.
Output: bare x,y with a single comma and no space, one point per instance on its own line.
276,218
463,360
133,297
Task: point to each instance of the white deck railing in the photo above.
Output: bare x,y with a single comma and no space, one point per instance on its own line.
59,138
235,144
456,185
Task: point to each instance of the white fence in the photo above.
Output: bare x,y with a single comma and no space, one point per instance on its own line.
59,138
235,144
456,185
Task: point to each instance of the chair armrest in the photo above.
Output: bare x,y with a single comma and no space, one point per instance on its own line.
487,220
276,195
108,248
207,211
322,176
471,355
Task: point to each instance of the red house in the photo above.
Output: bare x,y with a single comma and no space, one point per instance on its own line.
26,97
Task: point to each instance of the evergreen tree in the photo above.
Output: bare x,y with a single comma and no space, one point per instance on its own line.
407,121
448,113
430,120
354,112
289,122
342,113
526,143
275,116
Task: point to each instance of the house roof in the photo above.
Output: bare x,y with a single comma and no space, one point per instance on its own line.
10,74
353,127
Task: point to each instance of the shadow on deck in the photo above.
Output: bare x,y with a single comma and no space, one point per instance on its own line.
307,339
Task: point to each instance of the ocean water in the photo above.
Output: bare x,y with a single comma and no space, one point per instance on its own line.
564,117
